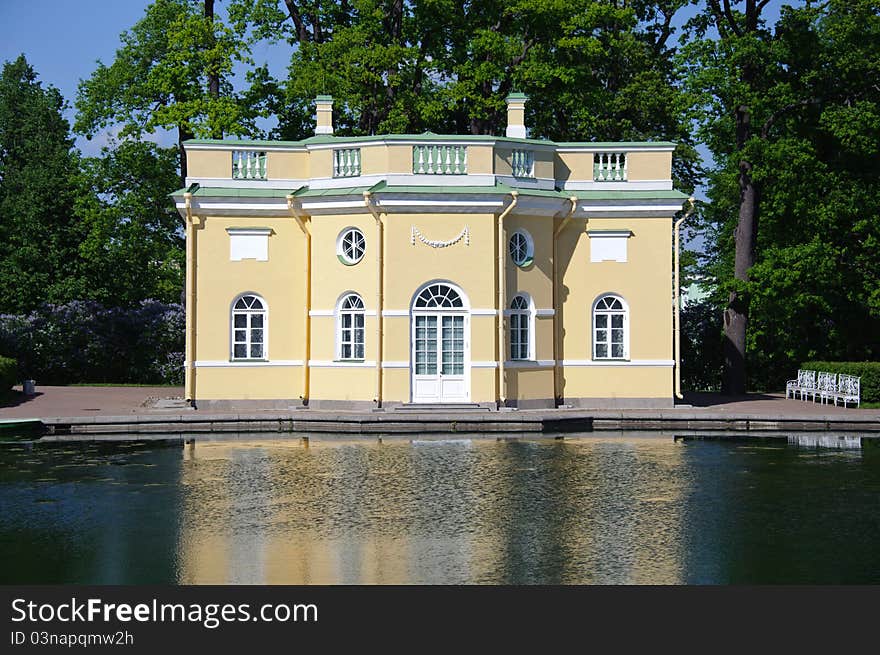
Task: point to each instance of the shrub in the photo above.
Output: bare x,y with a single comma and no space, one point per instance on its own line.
8,375
87,342
868,371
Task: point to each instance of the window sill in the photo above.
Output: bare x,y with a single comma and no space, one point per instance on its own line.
242,360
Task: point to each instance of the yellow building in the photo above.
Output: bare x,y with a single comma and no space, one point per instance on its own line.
366,272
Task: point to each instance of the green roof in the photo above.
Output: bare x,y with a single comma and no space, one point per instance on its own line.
306,192
383,187
225,192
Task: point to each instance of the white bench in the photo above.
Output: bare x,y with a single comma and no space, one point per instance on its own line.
805,385
825,386
849,389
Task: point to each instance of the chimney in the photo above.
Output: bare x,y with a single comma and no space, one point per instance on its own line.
324,115
516,115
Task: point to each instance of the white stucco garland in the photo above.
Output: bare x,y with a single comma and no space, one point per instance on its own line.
464,234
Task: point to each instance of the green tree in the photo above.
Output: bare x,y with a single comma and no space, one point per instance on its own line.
172,72
37,239
791,117
130,242
594,69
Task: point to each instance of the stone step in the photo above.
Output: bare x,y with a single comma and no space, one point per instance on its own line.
441,407
176,404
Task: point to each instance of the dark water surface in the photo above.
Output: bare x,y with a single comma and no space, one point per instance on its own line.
585,510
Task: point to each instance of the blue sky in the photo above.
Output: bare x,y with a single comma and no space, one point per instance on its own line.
62,40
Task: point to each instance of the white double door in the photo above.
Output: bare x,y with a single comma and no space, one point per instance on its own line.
440,361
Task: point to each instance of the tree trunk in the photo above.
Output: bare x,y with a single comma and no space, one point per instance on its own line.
736,316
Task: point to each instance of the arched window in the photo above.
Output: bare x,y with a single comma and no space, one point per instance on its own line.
350,327
249,328
610,328
351,246
521,328
439,295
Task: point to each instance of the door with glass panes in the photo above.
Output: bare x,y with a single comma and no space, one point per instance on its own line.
440,335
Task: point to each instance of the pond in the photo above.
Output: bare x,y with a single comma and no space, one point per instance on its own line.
584,510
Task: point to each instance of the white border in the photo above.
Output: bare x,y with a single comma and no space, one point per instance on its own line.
219,363
630,208
619,362
325,363
529,363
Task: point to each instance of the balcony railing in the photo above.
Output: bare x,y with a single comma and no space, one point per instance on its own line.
522,163
440,160
609,167
347,162
248,165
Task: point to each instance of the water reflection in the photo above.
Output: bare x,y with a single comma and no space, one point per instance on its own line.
586,510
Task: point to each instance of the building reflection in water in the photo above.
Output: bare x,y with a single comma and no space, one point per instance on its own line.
617,509
456,511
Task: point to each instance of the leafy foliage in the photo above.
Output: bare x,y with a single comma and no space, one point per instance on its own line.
594,70
8,375
814,150
130,239
701,347
37,244
161,78
87,342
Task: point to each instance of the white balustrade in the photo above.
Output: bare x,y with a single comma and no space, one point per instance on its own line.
347,162
248,165
522,163
609,167
440,160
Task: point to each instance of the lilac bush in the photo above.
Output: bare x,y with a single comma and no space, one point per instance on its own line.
83,341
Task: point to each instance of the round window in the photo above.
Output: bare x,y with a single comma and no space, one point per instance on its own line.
521,248
350,246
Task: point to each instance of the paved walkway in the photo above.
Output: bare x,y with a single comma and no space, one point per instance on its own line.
68,402
56,402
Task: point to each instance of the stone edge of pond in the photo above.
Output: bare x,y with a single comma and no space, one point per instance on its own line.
180,428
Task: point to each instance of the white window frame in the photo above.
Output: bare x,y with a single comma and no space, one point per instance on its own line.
340,246
529,248
353,313
518,315
609,313
249,314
